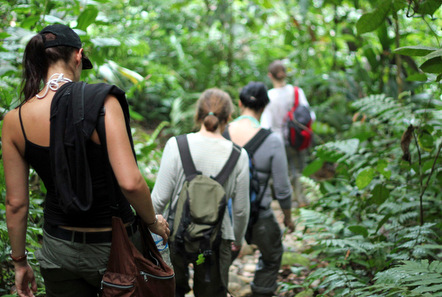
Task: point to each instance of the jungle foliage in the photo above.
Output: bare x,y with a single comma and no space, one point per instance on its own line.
370,69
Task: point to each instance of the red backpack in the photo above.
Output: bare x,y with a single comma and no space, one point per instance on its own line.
299,124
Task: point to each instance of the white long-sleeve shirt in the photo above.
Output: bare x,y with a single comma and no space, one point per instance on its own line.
209,156
281,101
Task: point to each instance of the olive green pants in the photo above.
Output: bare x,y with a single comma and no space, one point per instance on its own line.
296,162
74,269
267,235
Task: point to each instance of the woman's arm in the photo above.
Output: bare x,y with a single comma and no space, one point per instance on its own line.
281,181
241,203
167,177
125,168
17,203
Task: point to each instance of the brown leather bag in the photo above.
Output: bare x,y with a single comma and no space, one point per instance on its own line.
132,273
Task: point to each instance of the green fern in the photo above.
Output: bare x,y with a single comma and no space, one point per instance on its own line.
342,282
410,278
385,109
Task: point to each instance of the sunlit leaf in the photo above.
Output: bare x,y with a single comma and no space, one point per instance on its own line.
382,168
434,54
364,177
371,21
417,77
53,20
4,35
102,42
29,22
87,17
313,167
415,50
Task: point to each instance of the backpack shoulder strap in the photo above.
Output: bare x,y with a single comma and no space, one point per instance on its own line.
186,158
226,133
101,130
230,164
296,97
256,141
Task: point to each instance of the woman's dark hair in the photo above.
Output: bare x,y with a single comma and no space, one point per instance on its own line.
214,108
254,96
277,70
36,62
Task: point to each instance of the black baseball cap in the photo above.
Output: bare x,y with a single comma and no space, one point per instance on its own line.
65,36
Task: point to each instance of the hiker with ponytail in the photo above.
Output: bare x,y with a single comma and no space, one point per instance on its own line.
210,153
282,99
267,161
69,158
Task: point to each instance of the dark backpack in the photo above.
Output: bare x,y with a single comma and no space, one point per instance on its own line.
299,125
256,194
196,231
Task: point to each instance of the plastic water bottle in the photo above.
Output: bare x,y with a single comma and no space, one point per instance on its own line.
162,248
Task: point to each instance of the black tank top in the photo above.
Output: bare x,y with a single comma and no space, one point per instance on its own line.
100,214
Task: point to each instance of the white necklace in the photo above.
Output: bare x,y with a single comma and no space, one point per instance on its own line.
54,83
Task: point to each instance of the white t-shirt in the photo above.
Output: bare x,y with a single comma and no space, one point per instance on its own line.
281,101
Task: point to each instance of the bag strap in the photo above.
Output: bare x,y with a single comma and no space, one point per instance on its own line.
190,169
251,148
256,141
226,133
78,106
186,158
101,130
296,97
230,164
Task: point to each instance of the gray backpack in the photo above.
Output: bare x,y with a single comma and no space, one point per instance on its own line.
196,231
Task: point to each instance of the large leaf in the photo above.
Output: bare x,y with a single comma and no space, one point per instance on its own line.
426,140
379,194
313,167
87,17
434,54
429,6
417,77
365,177
382,168
415,50
361,230
370,21
433,65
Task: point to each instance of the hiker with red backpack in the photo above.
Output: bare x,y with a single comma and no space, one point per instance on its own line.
266,160
289,115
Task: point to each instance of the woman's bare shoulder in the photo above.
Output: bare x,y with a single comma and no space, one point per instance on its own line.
10,119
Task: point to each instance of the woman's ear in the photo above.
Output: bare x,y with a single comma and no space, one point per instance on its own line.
78,57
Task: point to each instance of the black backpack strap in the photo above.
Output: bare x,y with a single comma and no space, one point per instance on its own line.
101,130
186,158
78,106
226,133
230,164
256,141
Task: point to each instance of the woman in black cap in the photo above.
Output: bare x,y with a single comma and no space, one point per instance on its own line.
59,140
267,154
